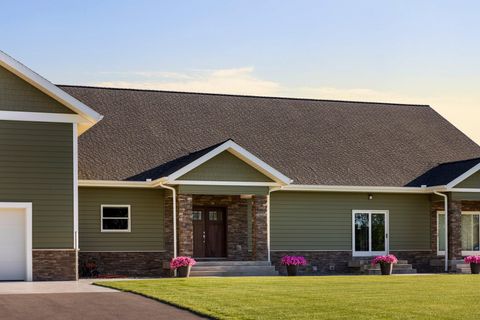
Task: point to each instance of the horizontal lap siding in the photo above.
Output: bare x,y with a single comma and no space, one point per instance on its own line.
18,95
36,165
147,214
222,190
471,182
323,221
225,167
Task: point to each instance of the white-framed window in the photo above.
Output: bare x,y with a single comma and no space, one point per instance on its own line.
370,232
470,231
115,218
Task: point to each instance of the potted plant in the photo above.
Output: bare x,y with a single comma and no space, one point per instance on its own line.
292,263
183,266
386,263
474,263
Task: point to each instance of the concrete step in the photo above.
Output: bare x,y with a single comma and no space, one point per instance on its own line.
357,263
232,263
394,271
233,268
226,268
232,274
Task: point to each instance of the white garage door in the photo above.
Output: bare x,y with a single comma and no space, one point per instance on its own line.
12,244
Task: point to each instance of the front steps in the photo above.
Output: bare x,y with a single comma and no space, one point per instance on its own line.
232,269
364,267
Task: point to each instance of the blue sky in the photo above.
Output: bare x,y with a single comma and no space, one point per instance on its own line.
425,52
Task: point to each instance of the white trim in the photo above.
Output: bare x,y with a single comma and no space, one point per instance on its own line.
116,184
28,232
308,250
75,196
116,206
439,252
463,176
464,190
387,233
41,117
376,189
115,251
240,153
48,88
224,183
473,252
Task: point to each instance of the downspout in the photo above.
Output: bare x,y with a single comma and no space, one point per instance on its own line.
445,197
174,197
268,220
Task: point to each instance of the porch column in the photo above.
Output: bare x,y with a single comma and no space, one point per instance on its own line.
185,225
260,228
454,230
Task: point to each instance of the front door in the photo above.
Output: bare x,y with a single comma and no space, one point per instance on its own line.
370,232
209,232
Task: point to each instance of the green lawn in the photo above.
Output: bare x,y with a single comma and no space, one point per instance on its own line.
332,297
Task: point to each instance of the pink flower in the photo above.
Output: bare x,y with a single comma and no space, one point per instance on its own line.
294,261
472,259
384,259
182,262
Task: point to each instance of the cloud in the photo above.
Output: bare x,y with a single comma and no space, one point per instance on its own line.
235,81
463,111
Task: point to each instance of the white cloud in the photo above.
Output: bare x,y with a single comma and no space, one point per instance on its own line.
235,81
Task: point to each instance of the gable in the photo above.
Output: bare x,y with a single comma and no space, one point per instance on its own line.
225,167
18,95
471,182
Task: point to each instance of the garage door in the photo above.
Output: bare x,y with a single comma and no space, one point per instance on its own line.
12,244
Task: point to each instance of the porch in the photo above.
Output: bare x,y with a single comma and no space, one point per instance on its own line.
222,227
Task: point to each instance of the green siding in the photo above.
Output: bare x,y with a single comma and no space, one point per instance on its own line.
225,167
222,190
467,196
36,165
471,182
18,95
323,221
147,214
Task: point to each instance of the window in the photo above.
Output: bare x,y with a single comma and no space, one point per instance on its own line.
115,218
196,215
369,232
470,232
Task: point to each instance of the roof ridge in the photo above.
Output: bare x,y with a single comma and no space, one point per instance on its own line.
244,95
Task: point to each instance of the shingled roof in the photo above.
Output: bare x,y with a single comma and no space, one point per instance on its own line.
320,142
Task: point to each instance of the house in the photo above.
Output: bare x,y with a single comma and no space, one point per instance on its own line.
129,178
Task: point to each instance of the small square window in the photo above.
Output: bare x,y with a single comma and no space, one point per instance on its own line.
115,218
197,215
214,216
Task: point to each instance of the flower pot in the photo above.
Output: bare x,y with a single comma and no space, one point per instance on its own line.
386,268
184,272
292,270
475,268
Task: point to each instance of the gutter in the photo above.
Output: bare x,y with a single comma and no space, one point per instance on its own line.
445,197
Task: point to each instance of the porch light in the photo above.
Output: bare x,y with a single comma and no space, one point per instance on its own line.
370,197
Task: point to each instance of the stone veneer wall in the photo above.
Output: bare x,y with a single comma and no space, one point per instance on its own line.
323,260
132,264
54,265
237,223
260,228
320,259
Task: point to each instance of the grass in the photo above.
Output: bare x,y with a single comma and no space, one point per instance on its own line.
333,297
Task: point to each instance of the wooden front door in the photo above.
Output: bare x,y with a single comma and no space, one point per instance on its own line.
209,232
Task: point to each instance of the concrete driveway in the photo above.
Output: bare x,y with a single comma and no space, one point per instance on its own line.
79,300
